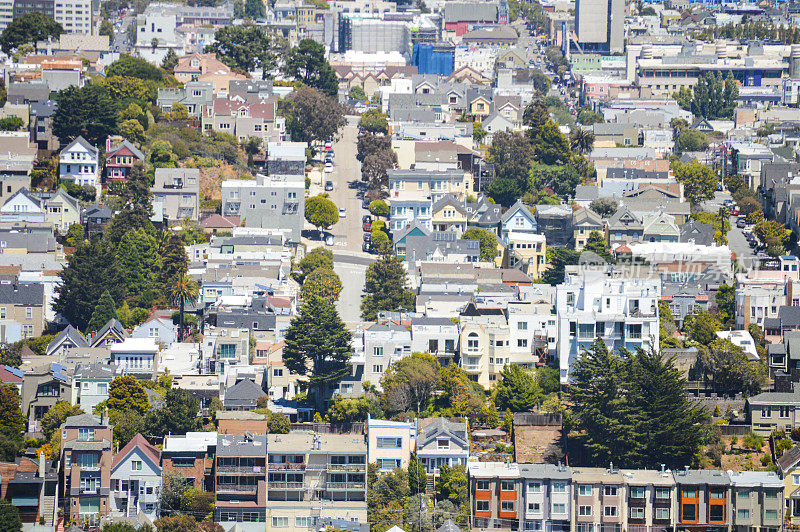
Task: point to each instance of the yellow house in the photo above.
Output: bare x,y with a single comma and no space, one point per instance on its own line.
790,473
448,214
480,107
485,341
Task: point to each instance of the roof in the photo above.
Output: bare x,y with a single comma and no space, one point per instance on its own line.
96,371
443,427
73,334
11,375
789,459
700,476
518,206
138,441
491,32
114,324
82,420
775,398
82,142
190,442
493,469
26,295
129,145
470,12
217,221
238,445
548,471
244,391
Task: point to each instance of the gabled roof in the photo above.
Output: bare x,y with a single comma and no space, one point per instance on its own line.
518,206
586,216
623,213
789,459
82,142
451,201
71,333
25,193
244,390
448,526
441,427
144,446
127,145
114,326
82,420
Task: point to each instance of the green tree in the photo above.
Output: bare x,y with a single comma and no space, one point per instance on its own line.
731,370
550,145
138,261
107,29
311,115
306,62
178,416
316,258
255,9
183,290
667,327
348,409
29,28
134,67
105,310
385,496
699,181
126,394
684,98
56,416
278,423
512,155
322,282
774,235
386,287
691,140
127,424
605,207
588,117
9,517
581,140
726,303
505,191
541,81
517,389
174,261
318,345
374,121
417,478
487,241
379,208
558,258
596,243
87,111
357,93
246,47
321,212
170,61
410,383
11,123
701,326
452,485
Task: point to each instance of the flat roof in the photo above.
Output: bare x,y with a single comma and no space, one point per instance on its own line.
493,469
303,442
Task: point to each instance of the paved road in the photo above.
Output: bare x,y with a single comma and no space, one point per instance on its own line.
736,239
346,178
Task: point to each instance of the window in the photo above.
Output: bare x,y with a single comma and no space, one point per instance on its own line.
280,522
388,464
482,485
584,510
637,492
610,491
136,465
535,487
482,506
377,368
743,513
443,443
771,514
715,494
377,351
506,485
28,312
662,513
390,443
182,462
85,434
534,507
689,494
559,508
770,494
90,483
559,487
716,512
637,513
796,480
522,326
662,493
303,522
784,411
507,506
744,494
522,342
610,511
472,342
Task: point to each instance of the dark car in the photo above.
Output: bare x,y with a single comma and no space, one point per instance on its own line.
741,223
367,237
328,185
367,247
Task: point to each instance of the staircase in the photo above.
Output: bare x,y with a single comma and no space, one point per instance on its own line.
48,509
430,486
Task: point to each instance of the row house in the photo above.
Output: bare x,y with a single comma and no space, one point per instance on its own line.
136,480
194,95
42,388
526,247
177,192
412,194
591,303
240,481
192,456
510,496
761,293
244,119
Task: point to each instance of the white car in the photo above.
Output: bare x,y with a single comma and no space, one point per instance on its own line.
342,212
328,167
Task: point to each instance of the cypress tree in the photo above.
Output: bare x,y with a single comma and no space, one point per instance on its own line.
417,477
138,261
386,288
105,310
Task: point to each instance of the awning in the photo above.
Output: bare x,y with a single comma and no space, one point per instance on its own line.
25,501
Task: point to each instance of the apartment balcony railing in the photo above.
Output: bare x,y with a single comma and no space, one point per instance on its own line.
471,367
286,467
238,488
634,336
347,467
345,486
286,485
245,470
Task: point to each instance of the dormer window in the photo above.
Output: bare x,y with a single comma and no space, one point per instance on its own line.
442,443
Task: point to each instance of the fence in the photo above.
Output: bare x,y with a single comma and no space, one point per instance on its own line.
331,428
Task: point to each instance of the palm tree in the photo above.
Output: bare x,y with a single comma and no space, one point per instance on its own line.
581,140
183,290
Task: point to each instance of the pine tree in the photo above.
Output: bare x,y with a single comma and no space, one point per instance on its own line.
386,288
105,310
417,478
517,390
9,517
175,263
596,243
730,95
138,261
318,345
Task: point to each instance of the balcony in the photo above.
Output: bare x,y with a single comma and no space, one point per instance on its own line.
286,467
244,470
471,367
347,467
345,486
285,485
237,488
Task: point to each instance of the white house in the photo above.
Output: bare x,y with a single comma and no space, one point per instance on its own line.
78,162
159,329
90,385
391,443
136,480
136,356
442,442
22,207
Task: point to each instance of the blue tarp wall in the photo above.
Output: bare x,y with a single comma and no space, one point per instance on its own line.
429,61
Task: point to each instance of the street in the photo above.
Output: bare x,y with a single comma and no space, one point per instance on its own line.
736,240
346,177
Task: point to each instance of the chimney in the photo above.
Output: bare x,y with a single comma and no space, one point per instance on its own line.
41,464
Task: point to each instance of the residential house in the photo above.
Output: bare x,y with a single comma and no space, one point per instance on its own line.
240,485
770,411
437,336
610,134
591,303
42,388
306,468
245,118
697,232
544,497
136,480
704,498
163,330
788,470
383,345
194,95
757,500
23,206
192,456
90,384
650,498
62,211
449,214
78,162
86,460
495,490
390,443
109,334
440,247
243,395
21,310
136,356
205,68
485,342
95,218
120,158
412,194
624,227
441,441
31,485
660,228
526,246
177,190
584,221
40,126
555,223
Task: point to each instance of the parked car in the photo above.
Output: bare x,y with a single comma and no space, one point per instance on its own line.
342,212
367,247
367,222
328,186
735,211
329,240
328,145
741,223
367,237
328,167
